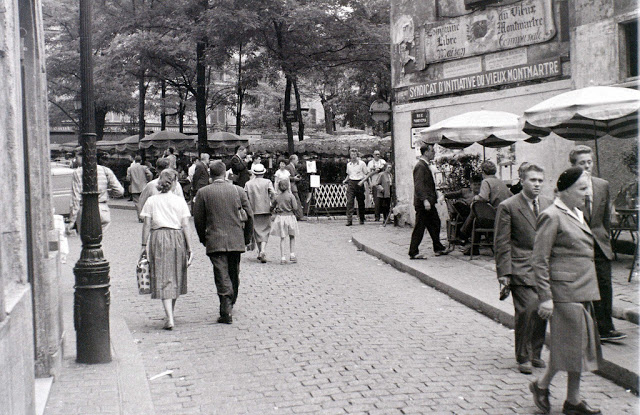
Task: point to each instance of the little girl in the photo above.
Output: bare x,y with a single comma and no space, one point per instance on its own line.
285,223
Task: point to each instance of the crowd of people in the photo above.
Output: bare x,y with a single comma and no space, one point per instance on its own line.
553,256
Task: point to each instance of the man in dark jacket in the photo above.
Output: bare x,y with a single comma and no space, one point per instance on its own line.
424,201
217,220
201,175
239,167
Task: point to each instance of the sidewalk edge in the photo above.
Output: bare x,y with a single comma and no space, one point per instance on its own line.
135,395
615,373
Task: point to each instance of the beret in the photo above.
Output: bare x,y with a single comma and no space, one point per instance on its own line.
568,178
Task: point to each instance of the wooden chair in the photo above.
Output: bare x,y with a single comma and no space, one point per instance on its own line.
483,224
454,223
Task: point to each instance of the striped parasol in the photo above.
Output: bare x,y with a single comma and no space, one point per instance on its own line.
586,114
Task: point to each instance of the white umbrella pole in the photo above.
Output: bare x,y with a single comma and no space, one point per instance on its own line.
595,141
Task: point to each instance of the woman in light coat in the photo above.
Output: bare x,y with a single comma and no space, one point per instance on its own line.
563,263
260,193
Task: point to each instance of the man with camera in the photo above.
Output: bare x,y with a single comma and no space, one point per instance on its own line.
515,231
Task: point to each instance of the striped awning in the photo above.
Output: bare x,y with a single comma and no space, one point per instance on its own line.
586,114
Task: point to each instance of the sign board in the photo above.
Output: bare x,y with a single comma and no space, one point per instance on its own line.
380,110
489,30
311,166
486,79
290,116
420,118
416,138
314,180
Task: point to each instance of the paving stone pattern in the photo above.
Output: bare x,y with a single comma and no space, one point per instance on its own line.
338,332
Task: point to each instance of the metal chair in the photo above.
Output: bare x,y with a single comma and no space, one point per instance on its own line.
483,223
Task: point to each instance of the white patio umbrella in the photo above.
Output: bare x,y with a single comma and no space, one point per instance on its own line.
587,114
491,129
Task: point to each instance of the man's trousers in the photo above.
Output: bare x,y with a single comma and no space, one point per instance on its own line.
429,220
530,328
226,271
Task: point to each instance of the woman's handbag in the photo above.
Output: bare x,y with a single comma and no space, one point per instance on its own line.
241,212
142,275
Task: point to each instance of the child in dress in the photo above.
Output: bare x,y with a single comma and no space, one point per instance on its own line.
281,174
285,223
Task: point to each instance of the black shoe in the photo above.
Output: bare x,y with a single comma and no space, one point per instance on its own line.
613,335
525,368
361,222
539,363
540,397
441,252
349,224
580,409
225,319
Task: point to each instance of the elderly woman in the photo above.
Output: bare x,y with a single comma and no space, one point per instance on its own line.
165,237
260,193
563,263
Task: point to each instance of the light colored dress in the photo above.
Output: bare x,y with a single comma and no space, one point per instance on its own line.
285,223
260,192
167,246
279,176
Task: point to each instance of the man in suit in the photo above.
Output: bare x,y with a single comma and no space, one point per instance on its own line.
294,178
424,202
220,229
201,174
597,212
138,175
239,167
515,231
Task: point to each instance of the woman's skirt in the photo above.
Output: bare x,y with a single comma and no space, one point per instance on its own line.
167,253
285,225
261,227
574,342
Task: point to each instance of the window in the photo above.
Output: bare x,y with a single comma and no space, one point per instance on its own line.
629,49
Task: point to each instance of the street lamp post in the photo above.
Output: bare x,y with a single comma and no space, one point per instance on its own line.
92,297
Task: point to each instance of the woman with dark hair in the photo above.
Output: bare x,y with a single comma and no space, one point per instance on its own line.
165,237
281,174
563,263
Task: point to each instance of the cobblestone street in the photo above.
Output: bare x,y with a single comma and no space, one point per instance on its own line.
338,332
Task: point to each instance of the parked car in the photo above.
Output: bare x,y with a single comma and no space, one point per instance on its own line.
61,178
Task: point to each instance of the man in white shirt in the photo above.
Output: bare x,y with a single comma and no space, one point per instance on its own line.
375,166
356,175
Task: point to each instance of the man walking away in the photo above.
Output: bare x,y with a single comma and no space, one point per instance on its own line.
138,175
220,229
597,213
515,231
424,202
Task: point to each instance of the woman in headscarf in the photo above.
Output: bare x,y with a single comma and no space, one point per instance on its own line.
563,263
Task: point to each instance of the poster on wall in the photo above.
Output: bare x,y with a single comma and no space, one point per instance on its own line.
489,30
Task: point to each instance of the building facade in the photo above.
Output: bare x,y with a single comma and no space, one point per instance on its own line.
454,56
30,320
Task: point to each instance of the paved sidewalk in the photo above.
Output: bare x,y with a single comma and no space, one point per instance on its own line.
119,387
474,284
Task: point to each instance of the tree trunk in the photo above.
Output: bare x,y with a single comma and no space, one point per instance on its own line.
329,123
142,92
101,115
287,106
298,110
181,109
163,114
240,93
201,98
